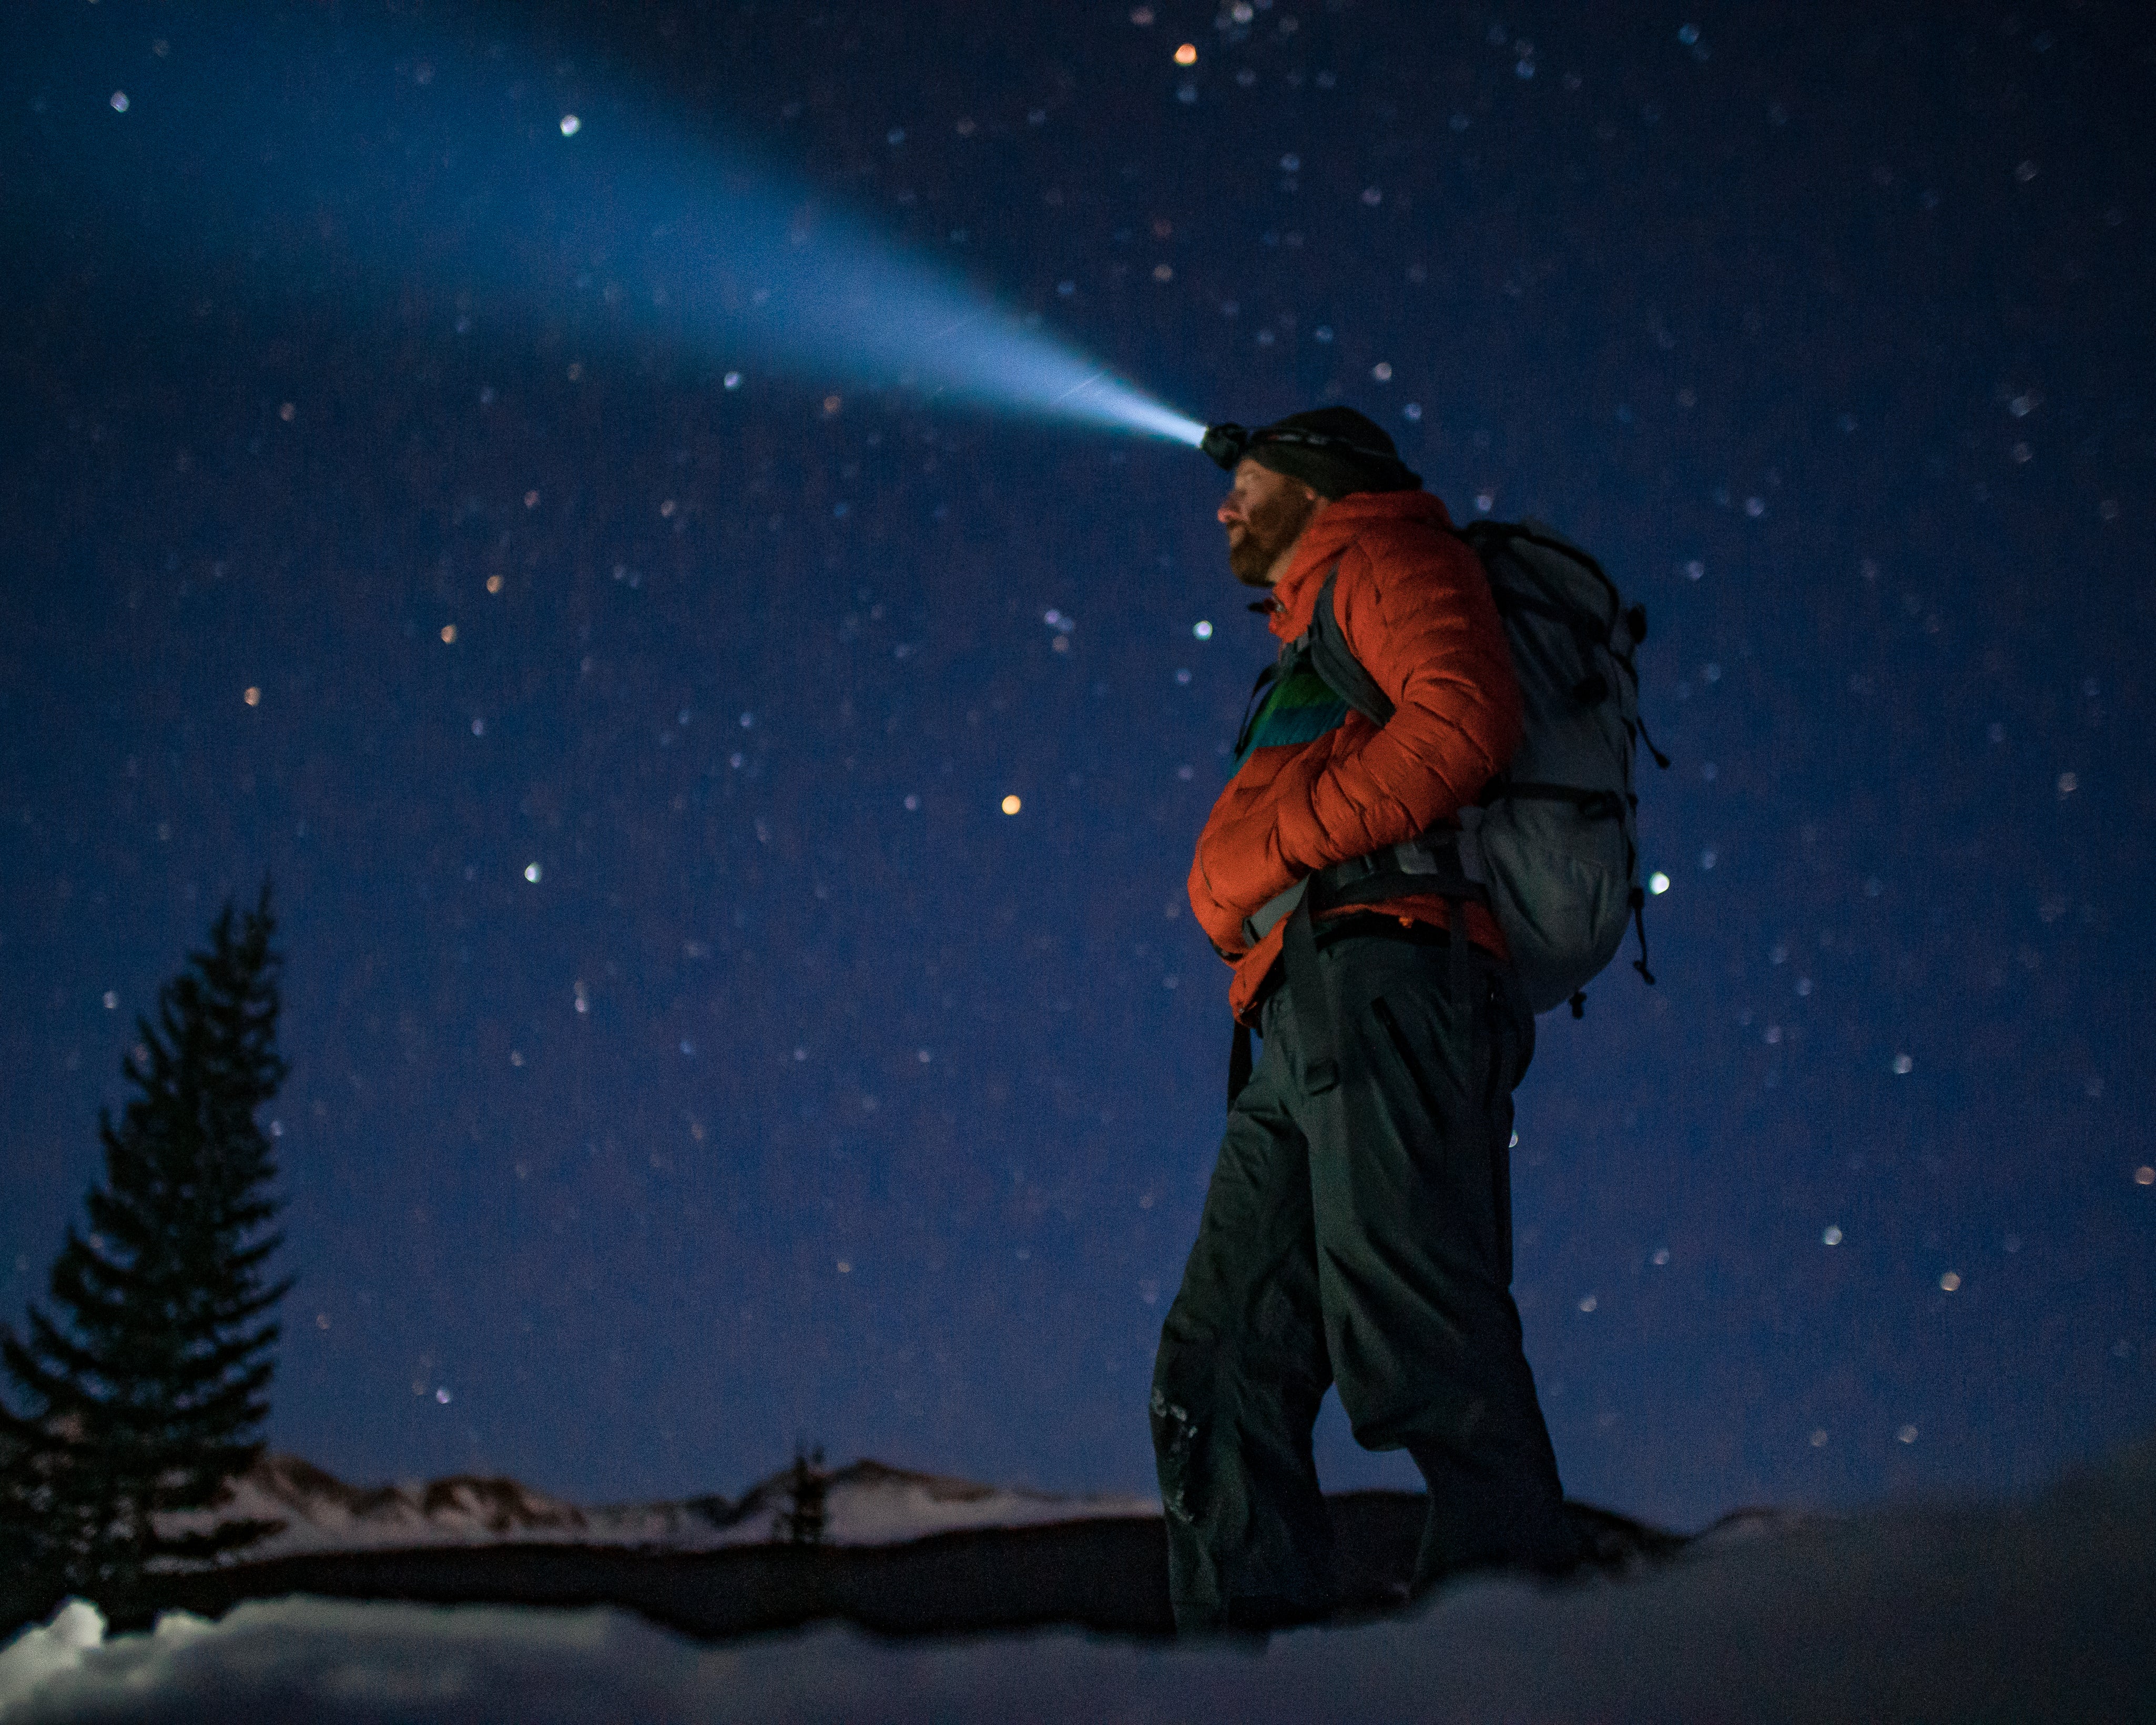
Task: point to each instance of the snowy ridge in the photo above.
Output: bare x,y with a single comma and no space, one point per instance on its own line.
2033,1611
867,1503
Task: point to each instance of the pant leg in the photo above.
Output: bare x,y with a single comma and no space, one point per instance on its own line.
1237,1383
1412,1209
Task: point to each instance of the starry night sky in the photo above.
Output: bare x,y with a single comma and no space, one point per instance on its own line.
688,1056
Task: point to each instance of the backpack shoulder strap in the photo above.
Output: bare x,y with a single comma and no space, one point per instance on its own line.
1333,659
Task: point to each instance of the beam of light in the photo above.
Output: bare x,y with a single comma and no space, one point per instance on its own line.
386,156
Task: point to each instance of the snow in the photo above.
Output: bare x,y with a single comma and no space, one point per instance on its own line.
867,1504
2031,1611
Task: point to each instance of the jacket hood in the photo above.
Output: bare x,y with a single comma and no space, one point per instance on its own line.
1342,523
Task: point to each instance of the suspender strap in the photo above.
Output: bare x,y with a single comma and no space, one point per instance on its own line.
1239,1061
1461,978
1314,1017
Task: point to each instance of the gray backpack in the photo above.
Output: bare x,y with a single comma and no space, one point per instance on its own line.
1558,830
1552,846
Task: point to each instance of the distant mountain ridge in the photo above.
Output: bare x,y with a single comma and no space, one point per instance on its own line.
905,1553
867,1502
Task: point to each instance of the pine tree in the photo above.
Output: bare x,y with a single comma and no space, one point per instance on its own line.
806,1488
143,1385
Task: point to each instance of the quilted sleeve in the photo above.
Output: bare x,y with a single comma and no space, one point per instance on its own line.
1416,609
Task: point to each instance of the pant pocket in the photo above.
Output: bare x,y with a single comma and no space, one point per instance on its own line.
1414,1063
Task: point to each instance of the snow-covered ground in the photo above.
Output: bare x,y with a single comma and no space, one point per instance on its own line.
867,1504
2041,1610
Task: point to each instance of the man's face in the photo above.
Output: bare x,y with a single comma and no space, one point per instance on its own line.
1265,513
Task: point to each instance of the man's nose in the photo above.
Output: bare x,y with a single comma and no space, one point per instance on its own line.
1226,512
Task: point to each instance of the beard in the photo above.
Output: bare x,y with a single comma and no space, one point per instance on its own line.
1256,545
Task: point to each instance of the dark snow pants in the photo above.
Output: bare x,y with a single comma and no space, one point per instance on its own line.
1361,1236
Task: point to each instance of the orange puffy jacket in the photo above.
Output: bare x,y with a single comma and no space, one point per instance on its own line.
1416,607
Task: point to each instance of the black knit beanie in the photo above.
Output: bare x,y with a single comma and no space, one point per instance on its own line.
1332,450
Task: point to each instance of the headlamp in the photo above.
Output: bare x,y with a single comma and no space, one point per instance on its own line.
1225,444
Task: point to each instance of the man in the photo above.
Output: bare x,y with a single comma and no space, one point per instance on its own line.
1358,1226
